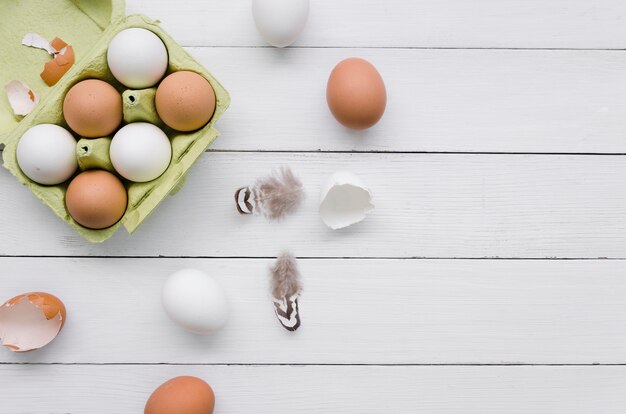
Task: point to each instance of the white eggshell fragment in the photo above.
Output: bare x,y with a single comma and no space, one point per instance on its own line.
137,58
21,97
280,22
46,154
195,300
344,200
140,152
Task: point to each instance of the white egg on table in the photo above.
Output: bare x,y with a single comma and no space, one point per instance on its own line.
137,58
46,154
280,22
140,152
196,301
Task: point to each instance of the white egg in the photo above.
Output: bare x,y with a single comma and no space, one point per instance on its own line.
137,58
46,153
195,301
140,152
280,22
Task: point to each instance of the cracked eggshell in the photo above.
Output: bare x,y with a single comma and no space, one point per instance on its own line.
54,70
31,321
344,200
21,97
195,301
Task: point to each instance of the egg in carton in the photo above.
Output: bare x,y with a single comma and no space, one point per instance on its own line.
89,27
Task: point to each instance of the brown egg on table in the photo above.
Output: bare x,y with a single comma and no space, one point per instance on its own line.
356,94
92,108
185,101
96,199
182,395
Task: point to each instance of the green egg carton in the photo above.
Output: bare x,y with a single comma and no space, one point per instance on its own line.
89,26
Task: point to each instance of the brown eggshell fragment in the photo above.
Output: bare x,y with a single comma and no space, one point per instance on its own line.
185,101
356,94
92,108
182,395
96,199
57,67
31,321
58,44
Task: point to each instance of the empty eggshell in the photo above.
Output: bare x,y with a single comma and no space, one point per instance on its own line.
344,200
280,22
31,321
21,97
54,69
195,300
182,395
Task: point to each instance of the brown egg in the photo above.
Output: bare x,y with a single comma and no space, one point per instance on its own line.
93,108
356,93
96,199
182,395
185,101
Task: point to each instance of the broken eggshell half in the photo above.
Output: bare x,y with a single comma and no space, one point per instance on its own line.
344,200
31,321
21,97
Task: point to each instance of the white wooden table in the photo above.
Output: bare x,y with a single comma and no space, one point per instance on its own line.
489,279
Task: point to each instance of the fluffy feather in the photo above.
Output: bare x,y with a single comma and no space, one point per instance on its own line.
279,194
285,277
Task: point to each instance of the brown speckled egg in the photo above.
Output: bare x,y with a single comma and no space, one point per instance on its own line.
182,395
185,101
92,108
356,93
96,199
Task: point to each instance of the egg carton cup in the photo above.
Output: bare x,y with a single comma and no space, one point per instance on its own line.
143,198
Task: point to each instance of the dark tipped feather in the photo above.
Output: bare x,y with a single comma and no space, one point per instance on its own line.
279,193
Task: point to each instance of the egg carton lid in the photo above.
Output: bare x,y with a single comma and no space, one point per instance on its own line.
79,23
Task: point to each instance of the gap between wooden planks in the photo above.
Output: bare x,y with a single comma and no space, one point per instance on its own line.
353,312
438,101
473,101
349,390
439,206
402,23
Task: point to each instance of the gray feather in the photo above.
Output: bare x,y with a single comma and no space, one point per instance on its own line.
285,276
279,194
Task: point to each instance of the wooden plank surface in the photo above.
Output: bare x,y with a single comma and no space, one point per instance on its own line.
402,23
438,100
353,312
447,205
531,101
384,330
308,390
